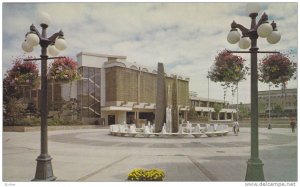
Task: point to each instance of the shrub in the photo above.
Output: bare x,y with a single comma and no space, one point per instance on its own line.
36,121
146,175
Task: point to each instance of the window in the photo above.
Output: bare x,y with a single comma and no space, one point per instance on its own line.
88,92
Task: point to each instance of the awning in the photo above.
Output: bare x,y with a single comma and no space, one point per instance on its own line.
116,108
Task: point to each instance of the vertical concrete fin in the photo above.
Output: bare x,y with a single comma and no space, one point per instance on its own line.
175,105
160,111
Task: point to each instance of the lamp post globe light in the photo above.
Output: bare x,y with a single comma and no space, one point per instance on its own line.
249,39
49,46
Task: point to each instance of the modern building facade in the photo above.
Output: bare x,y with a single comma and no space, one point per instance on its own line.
119,91
205,107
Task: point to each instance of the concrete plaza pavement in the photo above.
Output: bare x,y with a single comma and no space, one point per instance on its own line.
93,155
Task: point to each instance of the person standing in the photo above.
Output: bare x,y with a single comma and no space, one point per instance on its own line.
293,124
236,128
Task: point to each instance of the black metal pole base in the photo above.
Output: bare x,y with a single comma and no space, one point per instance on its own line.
255,170
44,169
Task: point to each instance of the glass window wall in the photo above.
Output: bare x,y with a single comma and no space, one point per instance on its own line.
88,92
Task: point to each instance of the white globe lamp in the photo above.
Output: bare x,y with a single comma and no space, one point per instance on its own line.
44,18
27,47
264,30
60,44
244,43
233,37
274,37
32,39
52,51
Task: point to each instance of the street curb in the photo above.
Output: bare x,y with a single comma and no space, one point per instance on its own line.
50,128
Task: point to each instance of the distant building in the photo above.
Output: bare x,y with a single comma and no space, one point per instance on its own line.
205,107
287,100
119,91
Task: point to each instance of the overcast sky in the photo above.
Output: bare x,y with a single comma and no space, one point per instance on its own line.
184,36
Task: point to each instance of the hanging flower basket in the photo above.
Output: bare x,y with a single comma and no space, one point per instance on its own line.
63,70
228,69
23,72
277,69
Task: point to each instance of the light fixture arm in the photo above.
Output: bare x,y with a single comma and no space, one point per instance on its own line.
55,35
263,19
46,41
33,29
243,29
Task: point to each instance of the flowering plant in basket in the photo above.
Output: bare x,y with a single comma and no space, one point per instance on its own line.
23,72
228,69
276,68
63,70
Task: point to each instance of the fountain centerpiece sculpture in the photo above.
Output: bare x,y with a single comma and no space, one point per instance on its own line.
161,104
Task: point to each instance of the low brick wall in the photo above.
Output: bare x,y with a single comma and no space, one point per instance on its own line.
247,123
50,128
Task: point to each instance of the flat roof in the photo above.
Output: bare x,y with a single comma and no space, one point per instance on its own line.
101,55
130,65
206,99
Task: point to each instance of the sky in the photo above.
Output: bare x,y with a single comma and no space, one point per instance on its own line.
186,37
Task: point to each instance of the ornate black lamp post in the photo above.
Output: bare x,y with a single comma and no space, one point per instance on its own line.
265,30
44,167
269,107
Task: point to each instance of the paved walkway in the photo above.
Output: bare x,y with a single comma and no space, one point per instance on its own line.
93,155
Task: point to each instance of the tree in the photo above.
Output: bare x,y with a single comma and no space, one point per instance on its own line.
192,114
217,108
243,111
23,74
31,108
261,107
14,110
278,110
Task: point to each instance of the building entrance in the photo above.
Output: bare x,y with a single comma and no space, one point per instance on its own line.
111,119
130,119
147,116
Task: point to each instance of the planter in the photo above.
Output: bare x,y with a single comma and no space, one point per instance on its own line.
146,175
